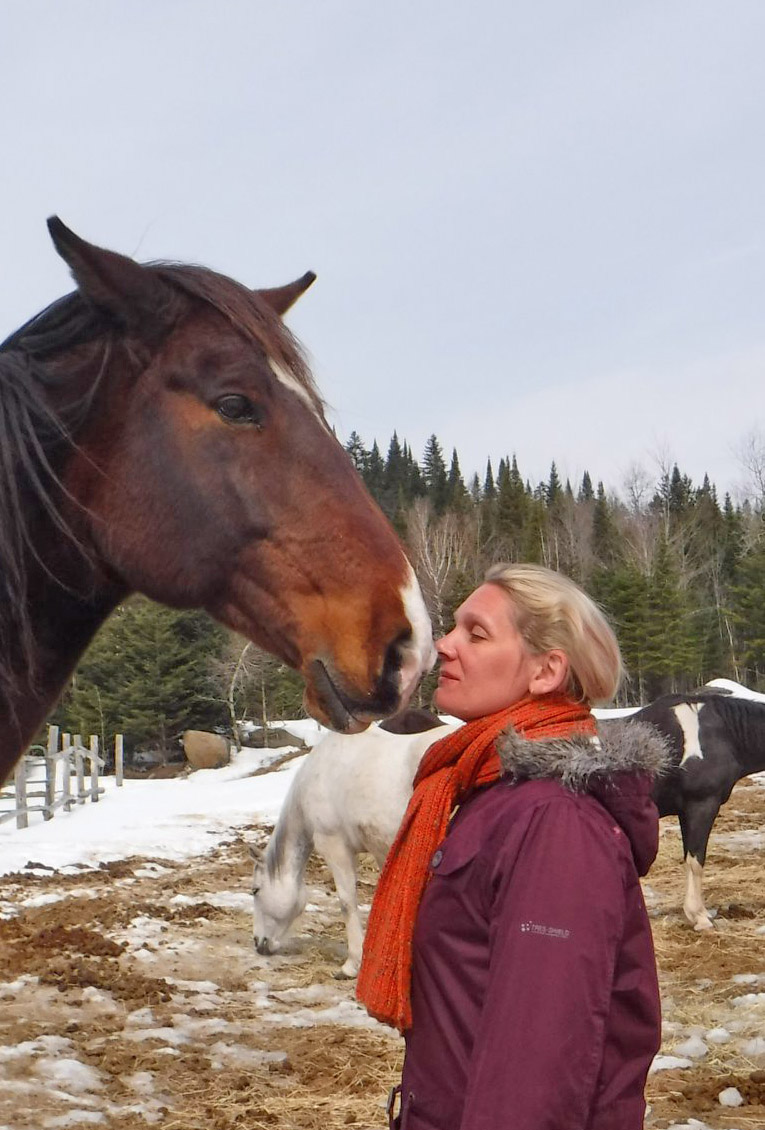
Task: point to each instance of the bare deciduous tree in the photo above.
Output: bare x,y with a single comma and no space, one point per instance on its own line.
440,547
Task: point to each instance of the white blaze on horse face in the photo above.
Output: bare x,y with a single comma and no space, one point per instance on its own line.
286,378
419,654
687,714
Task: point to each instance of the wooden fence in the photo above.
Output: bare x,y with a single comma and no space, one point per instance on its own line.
60,778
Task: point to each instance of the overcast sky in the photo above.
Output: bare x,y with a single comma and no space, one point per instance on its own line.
537,226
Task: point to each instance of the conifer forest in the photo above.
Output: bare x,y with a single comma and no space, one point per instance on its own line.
680,572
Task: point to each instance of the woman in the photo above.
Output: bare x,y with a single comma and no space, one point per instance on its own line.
510,942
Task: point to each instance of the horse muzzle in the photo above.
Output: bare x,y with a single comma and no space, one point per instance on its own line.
264,947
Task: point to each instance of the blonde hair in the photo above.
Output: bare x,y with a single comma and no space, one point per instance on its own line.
551,612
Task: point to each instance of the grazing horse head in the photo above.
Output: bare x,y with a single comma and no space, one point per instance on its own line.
279,896
160,432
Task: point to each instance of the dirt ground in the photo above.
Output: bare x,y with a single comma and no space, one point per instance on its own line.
131,996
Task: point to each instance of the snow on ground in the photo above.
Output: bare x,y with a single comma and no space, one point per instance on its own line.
181,919
165,819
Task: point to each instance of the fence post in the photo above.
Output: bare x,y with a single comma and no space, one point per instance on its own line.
94,768
20,781
118,758
50,773
66,769
79,768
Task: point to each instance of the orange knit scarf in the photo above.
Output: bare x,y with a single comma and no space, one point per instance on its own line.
450,769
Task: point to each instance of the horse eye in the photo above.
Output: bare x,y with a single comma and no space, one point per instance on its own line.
238,409
255,890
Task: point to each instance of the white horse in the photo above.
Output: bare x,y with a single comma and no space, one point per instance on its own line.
347,797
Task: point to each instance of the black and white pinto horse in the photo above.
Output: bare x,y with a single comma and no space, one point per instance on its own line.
715,738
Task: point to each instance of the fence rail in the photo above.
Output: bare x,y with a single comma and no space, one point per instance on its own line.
45,784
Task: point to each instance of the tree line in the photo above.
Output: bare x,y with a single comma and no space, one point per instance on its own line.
680,573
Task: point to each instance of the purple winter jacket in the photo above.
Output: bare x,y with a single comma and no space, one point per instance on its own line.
535,999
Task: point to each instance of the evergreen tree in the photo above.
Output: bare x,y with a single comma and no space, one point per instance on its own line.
434,474
374,473
358,453
457,496
605,539
553,490
489,488
586,493
748,602
147,675
511,509
670,654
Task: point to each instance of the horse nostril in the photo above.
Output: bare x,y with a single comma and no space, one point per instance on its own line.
263,946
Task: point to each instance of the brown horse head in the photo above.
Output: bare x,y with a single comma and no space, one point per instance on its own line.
201,471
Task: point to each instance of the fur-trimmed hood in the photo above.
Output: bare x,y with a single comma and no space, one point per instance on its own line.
618,769
621,747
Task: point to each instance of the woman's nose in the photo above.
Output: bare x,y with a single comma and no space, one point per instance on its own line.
445,646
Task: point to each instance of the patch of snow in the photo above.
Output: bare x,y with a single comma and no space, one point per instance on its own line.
749,1000
193,986
310,994
140,1018
43,1045
691,1124
13,988
150,871
195,1028
742,842
754,1047
226,900
737,690
692,1048
142,1082
668,1063
76,1077
347,1013
717,1036
164,819
731,1096
236,1055
56,896
168,1035
96,996
73,1118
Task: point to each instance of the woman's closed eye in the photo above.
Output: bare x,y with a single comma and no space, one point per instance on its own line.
478,634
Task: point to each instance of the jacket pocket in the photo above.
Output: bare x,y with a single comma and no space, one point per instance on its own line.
451,858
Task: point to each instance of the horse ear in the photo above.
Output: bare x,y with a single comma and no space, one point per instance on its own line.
280,298
115,283
255,853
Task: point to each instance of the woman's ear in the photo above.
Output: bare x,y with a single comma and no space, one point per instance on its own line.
550,673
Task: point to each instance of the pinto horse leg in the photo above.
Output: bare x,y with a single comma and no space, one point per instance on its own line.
696,824
341,860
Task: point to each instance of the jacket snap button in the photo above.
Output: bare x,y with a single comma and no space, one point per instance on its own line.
438,856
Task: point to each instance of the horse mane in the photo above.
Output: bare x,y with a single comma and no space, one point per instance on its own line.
283,834
36,431
739,713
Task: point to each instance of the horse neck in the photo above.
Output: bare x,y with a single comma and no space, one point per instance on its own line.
290,845
746,720
62,622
